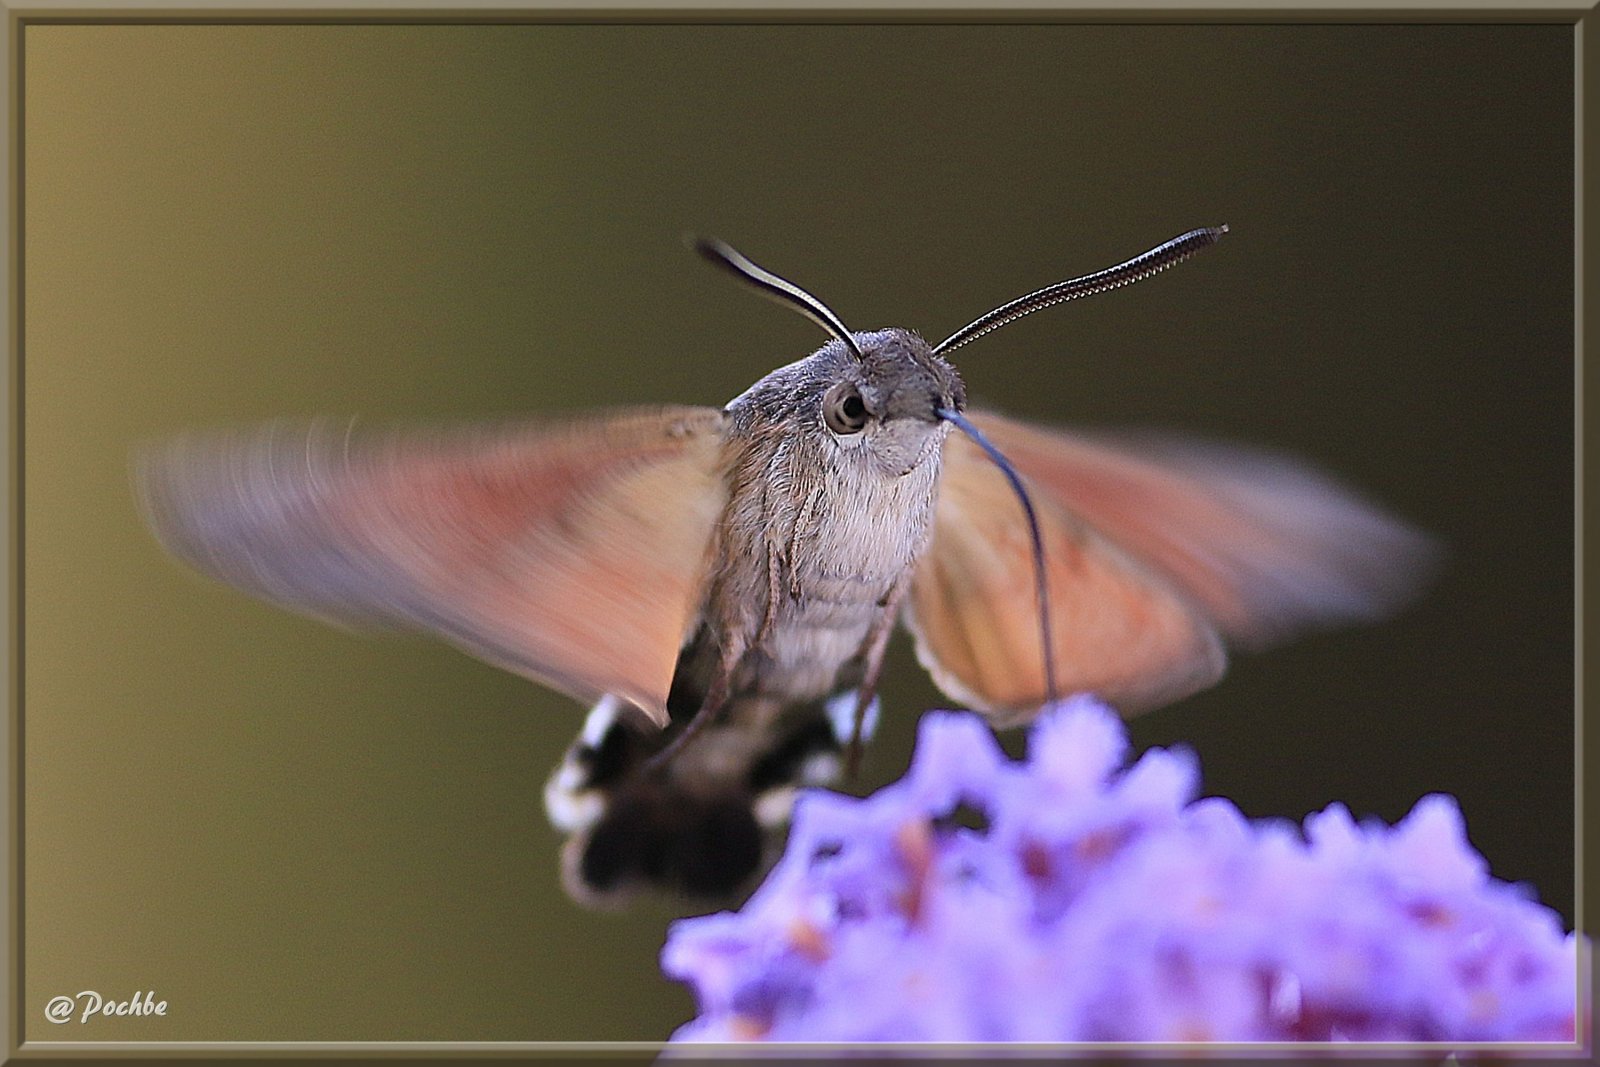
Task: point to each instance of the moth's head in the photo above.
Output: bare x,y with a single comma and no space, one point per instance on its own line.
877,400
889,394
878,395
883,398
897,376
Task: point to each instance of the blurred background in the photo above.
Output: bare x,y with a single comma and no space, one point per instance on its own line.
292,832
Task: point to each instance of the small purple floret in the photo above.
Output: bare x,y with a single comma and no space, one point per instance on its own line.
1081,901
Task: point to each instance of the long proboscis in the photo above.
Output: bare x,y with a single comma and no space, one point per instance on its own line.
1040,575
1136,269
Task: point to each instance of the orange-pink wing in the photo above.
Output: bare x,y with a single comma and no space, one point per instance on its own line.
1119,630
1257,547
574,553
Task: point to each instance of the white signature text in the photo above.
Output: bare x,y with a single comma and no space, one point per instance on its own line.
89,1004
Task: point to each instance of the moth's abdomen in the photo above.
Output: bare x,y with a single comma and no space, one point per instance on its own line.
705,847
706,824
807,648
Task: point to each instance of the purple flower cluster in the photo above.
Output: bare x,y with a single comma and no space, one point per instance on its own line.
1067,899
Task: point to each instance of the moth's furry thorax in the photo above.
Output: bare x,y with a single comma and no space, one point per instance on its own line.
821,526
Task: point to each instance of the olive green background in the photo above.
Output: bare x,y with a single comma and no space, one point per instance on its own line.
291,832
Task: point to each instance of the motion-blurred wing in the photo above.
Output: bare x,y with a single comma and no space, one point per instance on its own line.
1265,545
572,553
1119,630
1258,546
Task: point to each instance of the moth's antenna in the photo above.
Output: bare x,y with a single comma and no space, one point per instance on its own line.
786,292
1136,269
1041,581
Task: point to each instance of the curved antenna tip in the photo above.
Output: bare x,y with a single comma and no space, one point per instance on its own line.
723,255
709,247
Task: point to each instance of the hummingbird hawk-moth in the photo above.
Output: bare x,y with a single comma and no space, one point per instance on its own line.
722,582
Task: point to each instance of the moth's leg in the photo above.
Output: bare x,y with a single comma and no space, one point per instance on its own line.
774,568
802,524
876,644
710,707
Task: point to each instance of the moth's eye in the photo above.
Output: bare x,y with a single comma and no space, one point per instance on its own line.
843,410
